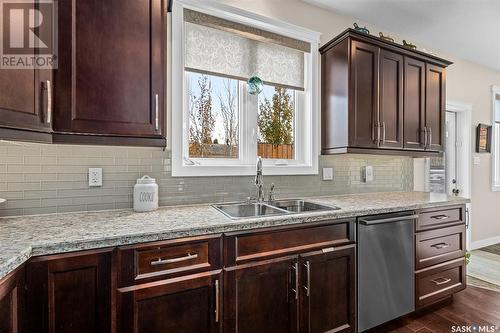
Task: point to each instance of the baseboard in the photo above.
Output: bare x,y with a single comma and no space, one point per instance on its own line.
484,242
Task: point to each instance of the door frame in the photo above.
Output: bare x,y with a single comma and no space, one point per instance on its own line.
464,153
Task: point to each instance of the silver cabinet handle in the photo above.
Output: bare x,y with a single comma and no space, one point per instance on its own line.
430,136
157,120
440,246
307,265
440,217
296,290
378,133
387,220
160,261
383,132
217,301
425,137
441,280
49,101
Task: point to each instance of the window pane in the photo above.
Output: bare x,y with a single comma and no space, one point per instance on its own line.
276,122
213,116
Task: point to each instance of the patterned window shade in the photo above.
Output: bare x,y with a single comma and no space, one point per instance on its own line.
218,46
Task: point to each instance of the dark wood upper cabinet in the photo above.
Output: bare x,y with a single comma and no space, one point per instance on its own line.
262,297
189,304
363,100
379,97
110,76
435,104
109,86
328,293
24,105
414,104
70,293
390,116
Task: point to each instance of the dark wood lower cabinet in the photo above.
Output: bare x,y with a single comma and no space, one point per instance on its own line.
70,293
261,297
188,304
311,288
12,301
328,290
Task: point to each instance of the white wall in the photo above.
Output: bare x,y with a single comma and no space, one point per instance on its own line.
466,82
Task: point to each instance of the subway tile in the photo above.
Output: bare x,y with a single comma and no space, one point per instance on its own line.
54,178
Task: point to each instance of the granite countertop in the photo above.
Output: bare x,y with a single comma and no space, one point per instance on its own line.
27,236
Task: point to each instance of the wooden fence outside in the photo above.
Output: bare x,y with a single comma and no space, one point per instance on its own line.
268,150
265,150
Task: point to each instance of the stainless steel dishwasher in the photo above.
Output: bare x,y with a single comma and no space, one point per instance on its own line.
386,263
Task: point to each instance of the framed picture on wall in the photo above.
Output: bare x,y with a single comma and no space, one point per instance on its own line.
483,138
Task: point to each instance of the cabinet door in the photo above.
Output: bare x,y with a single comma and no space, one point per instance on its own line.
435,106
391,99
328,290
363,96
188,304
70,293
23,101
110,76
261,297
414,104
11,302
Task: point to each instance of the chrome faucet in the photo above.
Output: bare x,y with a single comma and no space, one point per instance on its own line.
259,181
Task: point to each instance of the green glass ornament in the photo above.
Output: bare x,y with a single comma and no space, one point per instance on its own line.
255,85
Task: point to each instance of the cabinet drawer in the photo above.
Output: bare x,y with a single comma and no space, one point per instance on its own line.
153,261
440,217
440,245
280,241
439,281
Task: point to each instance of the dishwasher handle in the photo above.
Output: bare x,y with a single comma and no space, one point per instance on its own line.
388,220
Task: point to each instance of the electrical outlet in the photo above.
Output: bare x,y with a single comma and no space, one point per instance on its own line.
367,174
95,177
327,173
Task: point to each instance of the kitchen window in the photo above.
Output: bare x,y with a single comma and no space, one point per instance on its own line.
219,126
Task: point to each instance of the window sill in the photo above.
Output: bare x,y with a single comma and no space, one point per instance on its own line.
241,170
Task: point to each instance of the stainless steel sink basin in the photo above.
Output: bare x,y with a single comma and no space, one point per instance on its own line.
244,210
299,205
240,210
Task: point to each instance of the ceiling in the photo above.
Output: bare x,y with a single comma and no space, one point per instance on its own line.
468,29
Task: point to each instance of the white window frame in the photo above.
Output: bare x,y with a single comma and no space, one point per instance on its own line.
495,160
308,133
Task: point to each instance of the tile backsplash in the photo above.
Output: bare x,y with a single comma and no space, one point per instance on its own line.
41,178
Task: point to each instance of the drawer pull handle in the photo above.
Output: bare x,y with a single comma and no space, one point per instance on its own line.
160,261
440,246
440,217
441,280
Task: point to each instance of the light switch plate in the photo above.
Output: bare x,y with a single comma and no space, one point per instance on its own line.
367,174
327,173
477,160
95,177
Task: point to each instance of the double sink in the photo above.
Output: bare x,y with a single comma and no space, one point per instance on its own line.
241,210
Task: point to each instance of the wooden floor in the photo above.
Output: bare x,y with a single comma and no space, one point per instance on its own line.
495,249
473,306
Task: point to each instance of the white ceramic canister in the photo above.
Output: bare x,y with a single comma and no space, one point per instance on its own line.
145,195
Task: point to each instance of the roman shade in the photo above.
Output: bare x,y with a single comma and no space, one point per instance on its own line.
221,47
